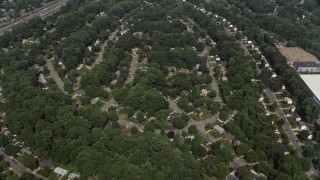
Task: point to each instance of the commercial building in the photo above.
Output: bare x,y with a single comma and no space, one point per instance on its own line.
307,66
313,82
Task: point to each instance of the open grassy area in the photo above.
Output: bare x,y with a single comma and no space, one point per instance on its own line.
215,134
292,122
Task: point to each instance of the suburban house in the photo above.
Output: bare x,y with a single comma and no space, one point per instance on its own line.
296,117
292,108
60,171
191,137
307,66
46,163
204,92
26,150
73,176
219,129
261,98
172,69
285,150
41,79
302,125
198,112
229,137
184,71
288,100
238,163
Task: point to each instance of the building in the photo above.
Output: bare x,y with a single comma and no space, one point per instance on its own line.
302,125
288,100
26,150
313,82
307,66
204,92
184,71
292,108
198,112
296,117
219,129
285,150
73,176
60,171
46,164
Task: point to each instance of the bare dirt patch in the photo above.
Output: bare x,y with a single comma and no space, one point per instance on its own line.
293,54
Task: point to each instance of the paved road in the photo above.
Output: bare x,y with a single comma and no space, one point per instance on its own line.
100,55
286,127
199,124
42,12
214,84
17,167
133,66
246,51
107,104
55,76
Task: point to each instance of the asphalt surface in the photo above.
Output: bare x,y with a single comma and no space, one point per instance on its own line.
133,67
55,76
214,84
17,167
286,127
42,12
100,55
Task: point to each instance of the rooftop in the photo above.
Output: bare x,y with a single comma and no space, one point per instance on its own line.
313,82
305,64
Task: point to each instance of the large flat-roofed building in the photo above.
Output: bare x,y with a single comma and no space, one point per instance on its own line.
307,66
313,82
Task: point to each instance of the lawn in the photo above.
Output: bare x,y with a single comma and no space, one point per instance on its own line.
215,134
292,122
206,114
123,116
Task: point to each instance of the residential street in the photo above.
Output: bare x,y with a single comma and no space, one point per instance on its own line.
214,84
286,127
200,124
100,55
55,76
107,104
133,67
17,167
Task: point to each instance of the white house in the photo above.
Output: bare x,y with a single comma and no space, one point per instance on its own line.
60,171
73,176
292,108
297,117
204,92
288,100
302,125
219,129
